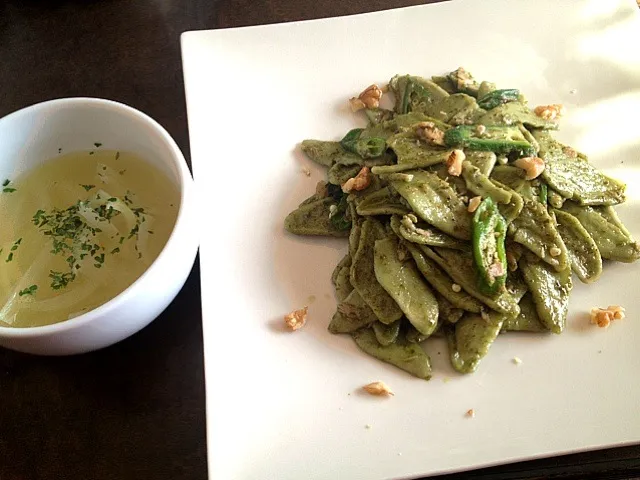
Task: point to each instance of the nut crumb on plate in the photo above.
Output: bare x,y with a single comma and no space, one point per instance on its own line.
296,319
517,360
470,413
604,316
378,388
306,171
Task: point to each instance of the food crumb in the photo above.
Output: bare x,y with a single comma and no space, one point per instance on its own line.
573,91
517,360
470,413
378,388
367,426
296,319
306,171
399,454
604,316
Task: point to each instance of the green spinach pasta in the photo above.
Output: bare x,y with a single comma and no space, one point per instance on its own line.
464,217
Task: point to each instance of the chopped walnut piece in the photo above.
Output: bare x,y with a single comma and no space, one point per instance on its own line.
296,319
356,104
474,203
555,251
570,152
461,78
604,316
533,166
430,133
454,162
378,388
361,181
369,98
550,112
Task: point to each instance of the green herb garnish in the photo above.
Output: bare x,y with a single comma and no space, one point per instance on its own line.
60,280
87,187
28,291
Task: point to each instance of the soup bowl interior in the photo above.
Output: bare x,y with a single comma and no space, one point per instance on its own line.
37,134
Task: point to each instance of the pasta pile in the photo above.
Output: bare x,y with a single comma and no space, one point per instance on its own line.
464,216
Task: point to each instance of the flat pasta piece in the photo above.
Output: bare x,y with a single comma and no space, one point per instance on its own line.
382,202
442,282
424,234
550,291
460,267
535,230
363,276
582,249
433,200
341,278
612,239
386,334
313,219
447,312
412,151
408,357
326,153
527,320
509,202
469,341
575,178
338,174
403,282
578,180
483,161
352,313
508,175
514,113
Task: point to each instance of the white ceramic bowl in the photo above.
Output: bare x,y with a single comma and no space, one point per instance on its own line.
32,136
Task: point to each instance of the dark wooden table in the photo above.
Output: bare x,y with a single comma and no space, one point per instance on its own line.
136,410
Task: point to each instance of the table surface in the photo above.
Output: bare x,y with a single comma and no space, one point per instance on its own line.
136,410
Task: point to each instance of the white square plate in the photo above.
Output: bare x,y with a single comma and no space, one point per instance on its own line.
287,405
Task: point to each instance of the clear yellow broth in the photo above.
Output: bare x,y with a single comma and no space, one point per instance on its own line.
77,231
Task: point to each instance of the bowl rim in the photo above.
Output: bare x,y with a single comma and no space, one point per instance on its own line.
185,183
